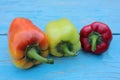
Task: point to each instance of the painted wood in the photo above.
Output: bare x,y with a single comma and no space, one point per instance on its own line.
85,66
80,12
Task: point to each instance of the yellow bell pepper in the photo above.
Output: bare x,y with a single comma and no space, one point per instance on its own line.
63,38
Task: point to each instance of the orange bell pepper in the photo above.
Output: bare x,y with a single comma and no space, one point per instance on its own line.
28,45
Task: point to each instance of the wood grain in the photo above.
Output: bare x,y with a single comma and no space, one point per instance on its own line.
80,12
85,66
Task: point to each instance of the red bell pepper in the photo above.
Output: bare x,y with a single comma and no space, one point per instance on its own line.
95,37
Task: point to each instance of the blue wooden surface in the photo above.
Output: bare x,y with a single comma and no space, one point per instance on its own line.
83,67
81,12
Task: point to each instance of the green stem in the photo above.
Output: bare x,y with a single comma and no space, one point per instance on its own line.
67,51
32,53
94,42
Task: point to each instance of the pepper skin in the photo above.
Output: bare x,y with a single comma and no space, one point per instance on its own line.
63,38
28,45
95,37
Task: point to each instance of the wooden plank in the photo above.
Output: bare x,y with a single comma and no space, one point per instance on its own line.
80,12
85,66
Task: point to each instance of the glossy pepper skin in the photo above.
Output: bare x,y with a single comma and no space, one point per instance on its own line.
63,38
95,37
28,45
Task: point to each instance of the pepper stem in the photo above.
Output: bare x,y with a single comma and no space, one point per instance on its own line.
67,51
32,53
94,39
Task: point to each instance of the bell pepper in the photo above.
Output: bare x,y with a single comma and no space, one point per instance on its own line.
95,37
63,38
28,45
